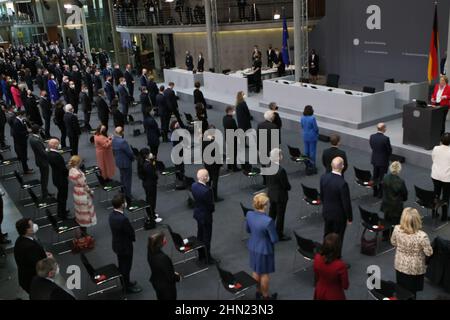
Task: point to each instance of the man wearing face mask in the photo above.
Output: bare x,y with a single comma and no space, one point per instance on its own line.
60,175
102,108
229,123
43,286
124,97
20,133
46,111
109,89
72,127
73,97
200,63
65,88
86,107
27,252
203,210
124,157
123,236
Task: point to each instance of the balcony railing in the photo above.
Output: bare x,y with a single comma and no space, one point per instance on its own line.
228,13
18,19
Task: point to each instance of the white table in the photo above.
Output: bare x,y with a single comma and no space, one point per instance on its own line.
182,78
225,84
407,91
333,105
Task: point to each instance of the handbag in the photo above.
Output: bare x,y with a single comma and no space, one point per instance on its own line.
83,244
368,246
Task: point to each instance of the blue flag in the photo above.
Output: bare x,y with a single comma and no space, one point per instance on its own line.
285,50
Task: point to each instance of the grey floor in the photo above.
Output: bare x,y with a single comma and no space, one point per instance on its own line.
227,230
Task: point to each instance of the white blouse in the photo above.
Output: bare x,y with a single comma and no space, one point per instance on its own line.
439,94
441,163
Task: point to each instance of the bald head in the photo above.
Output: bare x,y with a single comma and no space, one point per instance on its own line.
53,144
203,176
337,164
119,131
381,127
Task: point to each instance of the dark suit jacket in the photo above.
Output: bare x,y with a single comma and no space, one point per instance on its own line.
268,126
124,95
189,62
109,90
278,186
38,147
229,122
123,234
331,153
117,74
27,253
199,98
152,131
60,172
46,108
335,196
381,149
171,99
163,276
149,175
243,116
73,97
19,132
72,125
152,91
102,108
204,202
86,103
44,289
277,120
201,65
145,102
161,103
129,78
394,194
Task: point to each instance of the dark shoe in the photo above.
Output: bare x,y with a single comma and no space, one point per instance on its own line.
284,238
219,199
134,289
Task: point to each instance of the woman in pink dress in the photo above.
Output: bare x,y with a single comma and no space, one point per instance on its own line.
82,196
15,92
104,153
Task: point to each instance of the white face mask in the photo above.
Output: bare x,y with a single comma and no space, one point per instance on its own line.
125,205
35,228
59,147
57,270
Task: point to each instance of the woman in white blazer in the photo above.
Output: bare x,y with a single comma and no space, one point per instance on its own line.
440,172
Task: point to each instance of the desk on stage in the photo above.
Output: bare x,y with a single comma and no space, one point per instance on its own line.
182,78
422,125
349,108
407,91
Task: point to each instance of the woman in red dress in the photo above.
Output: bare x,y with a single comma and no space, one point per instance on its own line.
331,272
441,97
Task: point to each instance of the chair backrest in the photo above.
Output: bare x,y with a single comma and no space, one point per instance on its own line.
100,179
333,80
51,219
18,177
294,152
310,193
305,246
160,166
246,168
244,209
425,197
177,239
33,196
387,290
363,175
226,277
89,268
368,90
370,218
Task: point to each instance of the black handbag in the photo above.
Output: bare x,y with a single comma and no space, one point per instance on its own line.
368,246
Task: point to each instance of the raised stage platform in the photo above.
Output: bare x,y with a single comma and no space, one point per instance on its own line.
354,137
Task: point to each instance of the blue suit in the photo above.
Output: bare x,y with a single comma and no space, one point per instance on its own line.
53,90
263,235
124,158
310,137
203,210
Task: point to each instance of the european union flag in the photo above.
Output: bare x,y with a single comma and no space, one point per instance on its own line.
285,50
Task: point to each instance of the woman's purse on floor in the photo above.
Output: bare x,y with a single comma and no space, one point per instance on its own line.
80,244
368,246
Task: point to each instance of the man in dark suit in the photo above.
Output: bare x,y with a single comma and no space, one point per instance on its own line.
189,61
102,108
336,202
269,128
76,77
213,166
144,99
203,212
60,176
130,80
381,153
198,95
164,113
20,132
229,123
278,187
172,104
109,89
144,78
86,107
27,252
124,157
201,63
152,89
271,56
333,152
72,127
123,236
43,286
73,96
40,156
124,97
46,110
117,74
97,81
280,63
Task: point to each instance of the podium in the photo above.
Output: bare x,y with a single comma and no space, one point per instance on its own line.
422,125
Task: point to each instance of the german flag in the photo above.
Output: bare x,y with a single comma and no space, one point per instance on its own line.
433,56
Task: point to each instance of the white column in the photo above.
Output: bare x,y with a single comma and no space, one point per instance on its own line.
156,55
41,11
297,41
61,22
87,45
209,36
113,30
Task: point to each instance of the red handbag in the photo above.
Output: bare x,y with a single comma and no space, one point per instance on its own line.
83,244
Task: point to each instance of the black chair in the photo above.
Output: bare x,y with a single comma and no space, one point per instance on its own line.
390,290
189,118
5,163
368,90
41,204
108,186
307,248
426,199
166,172
103,275
25,185
251,173
363,178
132,122
312,198
244,223
60,228
136,207
374,224
333,80
296,155
186,247
236,284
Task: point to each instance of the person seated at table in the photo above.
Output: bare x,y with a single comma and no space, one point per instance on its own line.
441,97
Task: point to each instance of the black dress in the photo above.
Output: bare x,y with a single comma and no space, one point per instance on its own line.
163,276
